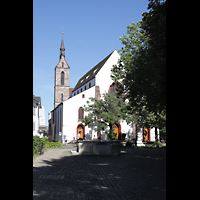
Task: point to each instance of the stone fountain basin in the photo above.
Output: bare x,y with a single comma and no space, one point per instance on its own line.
99,147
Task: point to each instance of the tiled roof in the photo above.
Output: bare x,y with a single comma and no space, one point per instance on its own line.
91,74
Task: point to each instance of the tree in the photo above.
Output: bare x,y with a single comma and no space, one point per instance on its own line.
107,111
142,67
154,27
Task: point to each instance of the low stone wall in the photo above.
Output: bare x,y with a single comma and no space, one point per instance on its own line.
96,147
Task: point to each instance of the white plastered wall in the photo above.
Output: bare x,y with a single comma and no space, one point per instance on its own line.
70,113
103,78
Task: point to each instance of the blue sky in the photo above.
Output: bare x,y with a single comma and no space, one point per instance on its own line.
92,31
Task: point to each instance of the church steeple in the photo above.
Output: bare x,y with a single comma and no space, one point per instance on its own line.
61,83
62,48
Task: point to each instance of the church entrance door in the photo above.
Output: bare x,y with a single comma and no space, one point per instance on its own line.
145,134
80,132
116,130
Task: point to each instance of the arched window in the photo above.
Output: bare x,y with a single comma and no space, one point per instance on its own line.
80,114
81,90
89,85
85,87
62,78
111,90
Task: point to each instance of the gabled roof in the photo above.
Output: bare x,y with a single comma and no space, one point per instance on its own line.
91,74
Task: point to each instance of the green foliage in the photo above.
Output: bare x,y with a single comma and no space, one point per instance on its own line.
142,67
45,142
44,139
104,112
55,144
37,141
111,134
129,143
36,144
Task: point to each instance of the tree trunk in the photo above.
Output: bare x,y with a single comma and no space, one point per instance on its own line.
110,125
156,133
136,136
156,137
111,131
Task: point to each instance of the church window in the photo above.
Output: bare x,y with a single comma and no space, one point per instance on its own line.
62,64
62,78
80,113
61,96
112,90
81,90
77,91
89,85
85,87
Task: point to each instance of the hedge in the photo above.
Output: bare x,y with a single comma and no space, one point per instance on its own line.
37,141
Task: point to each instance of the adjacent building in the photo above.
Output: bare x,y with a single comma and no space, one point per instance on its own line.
36,107
39,127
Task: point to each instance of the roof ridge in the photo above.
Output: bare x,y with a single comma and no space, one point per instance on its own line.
91,73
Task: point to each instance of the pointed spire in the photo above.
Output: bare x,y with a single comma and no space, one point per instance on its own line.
62,48
62,43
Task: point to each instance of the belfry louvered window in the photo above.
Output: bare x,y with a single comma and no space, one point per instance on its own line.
62,78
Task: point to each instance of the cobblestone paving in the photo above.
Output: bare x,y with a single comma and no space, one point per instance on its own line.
138,175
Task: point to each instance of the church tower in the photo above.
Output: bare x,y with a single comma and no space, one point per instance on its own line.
61,84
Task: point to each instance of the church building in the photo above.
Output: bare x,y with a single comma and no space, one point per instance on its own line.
65,118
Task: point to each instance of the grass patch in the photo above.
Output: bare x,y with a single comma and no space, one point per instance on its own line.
69,152
153,146
35,155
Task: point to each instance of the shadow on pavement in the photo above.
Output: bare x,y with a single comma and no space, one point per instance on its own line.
140,174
